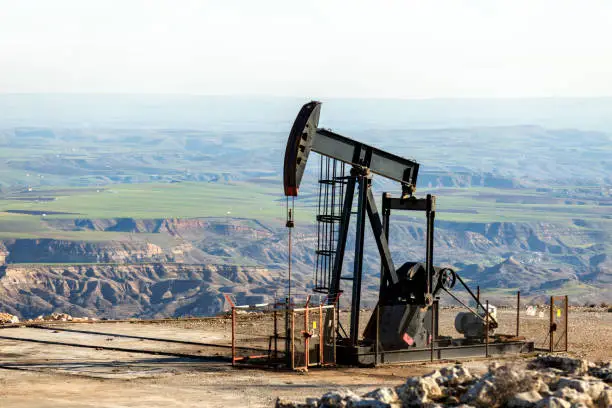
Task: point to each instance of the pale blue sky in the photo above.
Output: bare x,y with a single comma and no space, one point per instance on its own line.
315,48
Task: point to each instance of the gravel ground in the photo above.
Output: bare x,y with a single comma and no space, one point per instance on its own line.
39,367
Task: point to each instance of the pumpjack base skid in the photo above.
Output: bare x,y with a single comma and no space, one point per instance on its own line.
367,356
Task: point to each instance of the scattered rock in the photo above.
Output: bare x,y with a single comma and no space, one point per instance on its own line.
481,394
576,384
574,397
503,383
456,375
605,398
590,387
7,318
338,399
419,390
369,403
451,401
385,395
566,364
550,378
60,317
551,381
603,371
312,402
284,404
553,402
526,399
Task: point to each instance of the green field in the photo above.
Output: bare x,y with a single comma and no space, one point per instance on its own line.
138,201
263,202
153,173
178,200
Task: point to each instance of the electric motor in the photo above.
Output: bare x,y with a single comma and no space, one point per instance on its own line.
473,326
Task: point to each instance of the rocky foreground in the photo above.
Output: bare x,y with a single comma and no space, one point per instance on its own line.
546,381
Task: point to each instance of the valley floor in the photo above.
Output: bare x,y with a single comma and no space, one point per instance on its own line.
116,365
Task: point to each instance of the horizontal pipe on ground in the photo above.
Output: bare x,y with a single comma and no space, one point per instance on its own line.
143,321
127,350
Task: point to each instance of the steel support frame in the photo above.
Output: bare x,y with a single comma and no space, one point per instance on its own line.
427,205
342,236
364,184
366,159
553,326
366,204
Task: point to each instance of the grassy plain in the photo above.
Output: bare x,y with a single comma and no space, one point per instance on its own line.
261,201
161,172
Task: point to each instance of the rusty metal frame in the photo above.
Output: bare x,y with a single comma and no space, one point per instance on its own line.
553,325
551,329
320,362
272,353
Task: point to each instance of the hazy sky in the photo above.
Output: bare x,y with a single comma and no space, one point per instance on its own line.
309,48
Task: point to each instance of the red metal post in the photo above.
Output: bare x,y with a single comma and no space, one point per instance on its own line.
229,299
233,335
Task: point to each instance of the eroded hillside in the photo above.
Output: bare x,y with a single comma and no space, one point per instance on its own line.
122,291
179,267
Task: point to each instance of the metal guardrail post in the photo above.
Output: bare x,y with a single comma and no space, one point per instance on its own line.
518,312
306,338
321,339
376,357
335,332
551,346
292,340
487,331
275,333
566,321
431,338
437,320
288,339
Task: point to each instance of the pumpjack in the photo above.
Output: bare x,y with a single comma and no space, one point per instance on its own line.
404,326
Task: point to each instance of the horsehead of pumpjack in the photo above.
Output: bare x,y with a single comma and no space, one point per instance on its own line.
406,293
